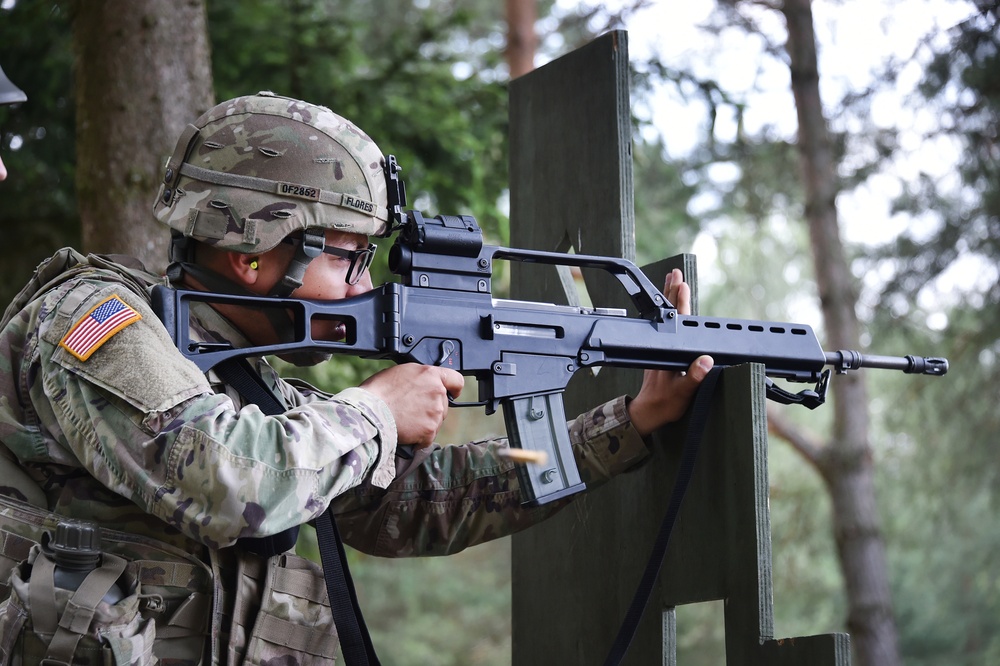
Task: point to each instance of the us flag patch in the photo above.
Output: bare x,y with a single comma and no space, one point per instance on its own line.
97,326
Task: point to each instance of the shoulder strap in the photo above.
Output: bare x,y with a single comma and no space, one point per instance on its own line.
60,267
355,640
238,373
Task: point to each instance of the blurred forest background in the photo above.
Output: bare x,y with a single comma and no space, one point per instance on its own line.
110,85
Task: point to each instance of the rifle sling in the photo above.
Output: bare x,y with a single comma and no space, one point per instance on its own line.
696,428
351,629
354,638
238,373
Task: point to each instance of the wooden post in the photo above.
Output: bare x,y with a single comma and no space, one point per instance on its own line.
574,576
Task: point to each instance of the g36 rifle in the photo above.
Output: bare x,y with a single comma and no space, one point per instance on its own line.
522,353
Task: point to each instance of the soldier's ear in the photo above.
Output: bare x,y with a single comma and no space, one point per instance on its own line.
245,269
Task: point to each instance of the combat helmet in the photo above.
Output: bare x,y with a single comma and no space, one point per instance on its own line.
254,170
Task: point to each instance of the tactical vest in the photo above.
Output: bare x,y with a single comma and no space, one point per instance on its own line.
179,606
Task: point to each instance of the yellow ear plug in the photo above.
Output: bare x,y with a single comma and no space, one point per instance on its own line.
253,264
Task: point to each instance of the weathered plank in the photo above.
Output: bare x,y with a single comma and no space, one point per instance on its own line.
571,189
574,576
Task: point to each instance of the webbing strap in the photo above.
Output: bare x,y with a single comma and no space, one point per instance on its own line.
296,637
14,478
74,623
351,629
349,201
299,582
237,373
41,595
354,637
311,247
696,428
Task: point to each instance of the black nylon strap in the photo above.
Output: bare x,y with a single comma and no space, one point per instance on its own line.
696,428
238,373
351,629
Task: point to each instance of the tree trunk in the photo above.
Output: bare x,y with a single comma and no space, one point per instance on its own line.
846,463
143,71
522,41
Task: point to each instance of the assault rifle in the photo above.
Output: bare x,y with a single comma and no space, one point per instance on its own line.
523,354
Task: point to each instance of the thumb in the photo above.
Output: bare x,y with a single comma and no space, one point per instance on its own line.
699,369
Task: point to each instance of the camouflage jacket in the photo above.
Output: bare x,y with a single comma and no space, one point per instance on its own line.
115,425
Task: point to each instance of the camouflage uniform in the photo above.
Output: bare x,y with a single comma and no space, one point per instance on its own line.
177,468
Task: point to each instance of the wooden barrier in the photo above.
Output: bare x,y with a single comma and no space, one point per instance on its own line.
574,576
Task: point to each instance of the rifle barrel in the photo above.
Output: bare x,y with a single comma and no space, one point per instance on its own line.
847,359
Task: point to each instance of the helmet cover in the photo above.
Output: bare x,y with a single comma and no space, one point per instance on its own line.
254,169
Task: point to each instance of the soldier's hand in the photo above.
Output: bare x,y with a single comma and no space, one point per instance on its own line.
417,396
665,395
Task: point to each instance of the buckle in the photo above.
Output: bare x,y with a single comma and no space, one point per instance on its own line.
313,243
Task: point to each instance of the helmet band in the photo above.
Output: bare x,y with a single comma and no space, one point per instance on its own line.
316,194
168,190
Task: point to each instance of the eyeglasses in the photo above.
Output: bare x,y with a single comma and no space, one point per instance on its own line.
361,259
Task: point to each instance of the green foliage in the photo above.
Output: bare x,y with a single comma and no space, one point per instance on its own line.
421,78
37,141
942,495
446,611
941,468
962,84
663,223
452,611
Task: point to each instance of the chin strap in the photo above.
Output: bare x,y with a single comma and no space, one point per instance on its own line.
279,319
182,261
313,242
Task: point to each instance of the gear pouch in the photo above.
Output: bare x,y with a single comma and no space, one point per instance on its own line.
42,623
294,617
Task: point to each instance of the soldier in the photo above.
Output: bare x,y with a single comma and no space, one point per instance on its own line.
9,94
264,195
